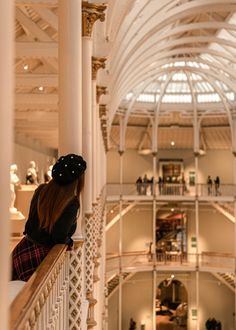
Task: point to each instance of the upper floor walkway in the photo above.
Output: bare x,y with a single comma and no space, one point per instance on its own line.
170,191
139,261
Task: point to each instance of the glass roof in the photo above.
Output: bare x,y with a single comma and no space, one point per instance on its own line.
181,85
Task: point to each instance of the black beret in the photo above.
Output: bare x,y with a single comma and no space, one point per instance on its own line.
68,168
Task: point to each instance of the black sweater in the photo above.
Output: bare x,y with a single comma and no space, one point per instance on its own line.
62,230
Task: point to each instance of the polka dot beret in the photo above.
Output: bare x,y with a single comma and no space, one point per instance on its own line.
68,168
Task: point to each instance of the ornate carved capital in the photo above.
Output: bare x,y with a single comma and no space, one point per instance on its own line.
101,90
97,63
90,14
102,110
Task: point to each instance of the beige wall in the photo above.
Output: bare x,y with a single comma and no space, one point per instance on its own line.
137,300
216,300
135,164
137,231
216,232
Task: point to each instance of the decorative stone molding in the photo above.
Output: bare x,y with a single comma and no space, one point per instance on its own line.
100,90
90,14
103,120
97,63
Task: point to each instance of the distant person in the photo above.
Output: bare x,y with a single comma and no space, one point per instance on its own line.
209,185
151,183
160,185
183,184
139,183
217,186
145,184
132,324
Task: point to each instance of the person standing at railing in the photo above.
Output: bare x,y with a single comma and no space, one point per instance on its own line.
209,185
52,217
139,183
160,185
145,184
217,186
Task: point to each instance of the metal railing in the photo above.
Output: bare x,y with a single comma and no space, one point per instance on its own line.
138,261
171,189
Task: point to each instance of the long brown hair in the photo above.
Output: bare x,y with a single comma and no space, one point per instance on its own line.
54,198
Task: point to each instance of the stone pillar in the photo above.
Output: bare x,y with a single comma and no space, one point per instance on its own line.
90,13
7,24
70,83
97,63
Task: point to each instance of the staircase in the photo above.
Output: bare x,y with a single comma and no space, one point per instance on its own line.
112,285
227,278
225,209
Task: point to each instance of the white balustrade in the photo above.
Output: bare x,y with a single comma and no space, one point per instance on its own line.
43,301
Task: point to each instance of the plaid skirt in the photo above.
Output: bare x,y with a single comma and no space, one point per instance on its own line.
26,257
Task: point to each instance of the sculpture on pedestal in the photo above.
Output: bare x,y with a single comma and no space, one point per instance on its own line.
32,175
14,181
48,174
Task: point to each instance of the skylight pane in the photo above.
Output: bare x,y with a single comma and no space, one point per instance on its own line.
177,98
230,96
179,76
146,98
207,98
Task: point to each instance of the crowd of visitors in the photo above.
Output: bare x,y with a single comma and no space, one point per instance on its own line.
144,184
216,185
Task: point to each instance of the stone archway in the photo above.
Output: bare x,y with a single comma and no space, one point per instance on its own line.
171,305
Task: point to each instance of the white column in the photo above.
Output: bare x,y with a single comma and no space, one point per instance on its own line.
94,143
6,137
99,155
70,84
87,120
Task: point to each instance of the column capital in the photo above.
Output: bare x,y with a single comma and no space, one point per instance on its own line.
102,110
100,90
90,14
97,63
196,153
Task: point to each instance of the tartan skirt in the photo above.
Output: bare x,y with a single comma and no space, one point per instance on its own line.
26,257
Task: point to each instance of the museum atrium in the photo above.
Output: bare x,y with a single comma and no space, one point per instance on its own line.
145,90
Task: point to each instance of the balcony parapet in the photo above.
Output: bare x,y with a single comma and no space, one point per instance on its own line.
141,261
171,191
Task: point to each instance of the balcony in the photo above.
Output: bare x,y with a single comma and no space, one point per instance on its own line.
170,191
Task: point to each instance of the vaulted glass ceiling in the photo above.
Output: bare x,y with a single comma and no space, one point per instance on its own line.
182,86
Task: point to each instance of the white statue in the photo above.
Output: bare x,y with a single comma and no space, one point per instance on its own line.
32,175
14,181
48,174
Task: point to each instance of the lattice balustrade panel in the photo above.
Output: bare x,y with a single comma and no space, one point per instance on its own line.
76,288
89,252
